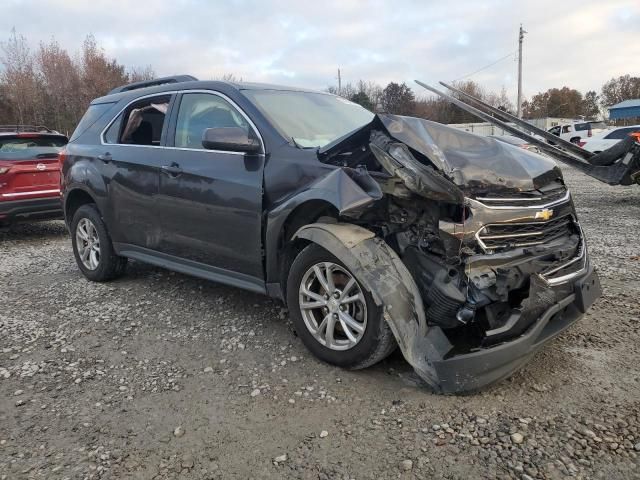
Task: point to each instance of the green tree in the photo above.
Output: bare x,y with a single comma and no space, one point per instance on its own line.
361,98
398,99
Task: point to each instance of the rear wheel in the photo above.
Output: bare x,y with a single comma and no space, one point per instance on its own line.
92,246
575,140
334,315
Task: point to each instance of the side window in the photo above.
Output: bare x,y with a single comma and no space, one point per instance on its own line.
199,111
111,135
566,129
555,130
143,121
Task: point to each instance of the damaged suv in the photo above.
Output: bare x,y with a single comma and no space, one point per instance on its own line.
377,230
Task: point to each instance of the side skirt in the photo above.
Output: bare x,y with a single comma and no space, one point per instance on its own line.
190,267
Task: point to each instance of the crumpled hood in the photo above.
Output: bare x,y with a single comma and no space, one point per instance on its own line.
471,161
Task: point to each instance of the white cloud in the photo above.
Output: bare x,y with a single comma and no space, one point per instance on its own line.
576,43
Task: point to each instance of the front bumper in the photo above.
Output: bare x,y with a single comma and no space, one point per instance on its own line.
466,373
32,209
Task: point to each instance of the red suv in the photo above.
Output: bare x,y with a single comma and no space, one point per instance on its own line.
29,173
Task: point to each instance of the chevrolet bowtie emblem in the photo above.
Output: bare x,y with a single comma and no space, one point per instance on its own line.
545,214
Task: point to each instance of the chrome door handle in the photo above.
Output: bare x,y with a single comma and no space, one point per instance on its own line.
172,170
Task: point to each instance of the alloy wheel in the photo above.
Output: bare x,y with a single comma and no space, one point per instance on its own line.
333,306
88,244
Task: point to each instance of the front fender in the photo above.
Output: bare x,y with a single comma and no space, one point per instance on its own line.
348,190
392,287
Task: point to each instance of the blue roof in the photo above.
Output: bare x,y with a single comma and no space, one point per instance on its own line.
626,109
627,104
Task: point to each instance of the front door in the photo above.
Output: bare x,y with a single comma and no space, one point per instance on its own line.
211,201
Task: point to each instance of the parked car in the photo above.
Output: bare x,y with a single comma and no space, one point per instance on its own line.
578,131
29,173
376,230
517,142
608,138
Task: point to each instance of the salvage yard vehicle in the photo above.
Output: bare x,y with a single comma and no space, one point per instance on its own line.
29,173
577,132
608,138
376,230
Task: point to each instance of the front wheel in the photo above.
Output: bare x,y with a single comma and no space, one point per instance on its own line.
333,314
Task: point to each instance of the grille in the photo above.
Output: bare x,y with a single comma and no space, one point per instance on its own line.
523,199
512,235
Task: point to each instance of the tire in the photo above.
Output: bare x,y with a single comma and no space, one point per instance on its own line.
575,140
373,344
101,264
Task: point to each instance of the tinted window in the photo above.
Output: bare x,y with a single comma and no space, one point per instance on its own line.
91,116
199,111
566,129
145,121
111,135
555,130
23,147
580,127
621,133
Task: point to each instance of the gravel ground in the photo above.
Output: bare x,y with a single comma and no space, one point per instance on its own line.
159,375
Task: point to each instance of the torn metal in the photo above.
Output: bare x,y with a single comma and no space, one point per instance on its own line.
471,246
619,165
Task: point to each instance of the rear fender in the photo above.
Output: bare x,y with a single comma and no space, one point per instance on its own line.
392,287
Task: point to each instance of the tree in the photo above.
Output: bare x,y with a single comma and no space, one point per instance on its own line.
98,73
50,87
398,99
619,89
555,102
20,83
60,83
590,105
361,98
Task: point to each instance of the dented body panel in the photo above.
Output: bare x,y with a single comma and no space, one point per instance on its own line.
471,247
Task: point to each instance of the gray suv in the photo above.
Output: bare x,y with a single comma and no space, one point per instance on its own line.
378,231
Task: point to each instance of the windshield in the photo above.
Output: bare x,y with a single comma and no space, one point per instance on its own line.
309,119
23,148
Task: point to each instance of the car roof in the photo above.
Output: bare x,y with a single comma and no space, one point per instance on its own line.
197,84
11,130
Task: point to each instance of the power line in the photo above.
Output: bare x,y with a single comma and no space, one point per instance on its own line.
486,66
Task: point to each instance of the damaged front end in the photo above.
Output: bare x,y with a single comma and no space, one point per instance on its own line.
474,249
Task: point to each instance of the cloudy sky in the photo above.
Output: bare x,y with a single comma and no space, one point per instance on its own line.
296,42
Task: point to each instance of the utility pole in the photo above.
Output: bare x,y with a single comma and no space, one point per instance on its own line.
339,83
520,38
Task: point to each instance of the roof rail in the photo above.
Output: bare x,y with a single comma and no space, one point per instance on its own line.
153,83
25,128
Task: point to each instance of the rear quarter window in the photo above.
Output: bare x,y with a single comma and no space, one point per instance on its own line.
91,116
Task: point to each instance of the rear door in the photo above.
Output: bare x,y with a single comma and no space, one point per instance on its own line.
29,166
129,158
210,200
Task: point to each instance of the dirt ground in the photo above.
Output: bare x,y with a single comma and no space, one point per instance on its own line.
159,375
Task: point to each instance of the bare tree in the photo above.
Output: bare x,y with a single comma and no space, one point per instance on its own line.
19,79
60,83
137,74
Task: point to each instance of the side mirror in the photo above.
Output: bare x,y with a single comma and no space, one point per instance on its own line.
232,139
